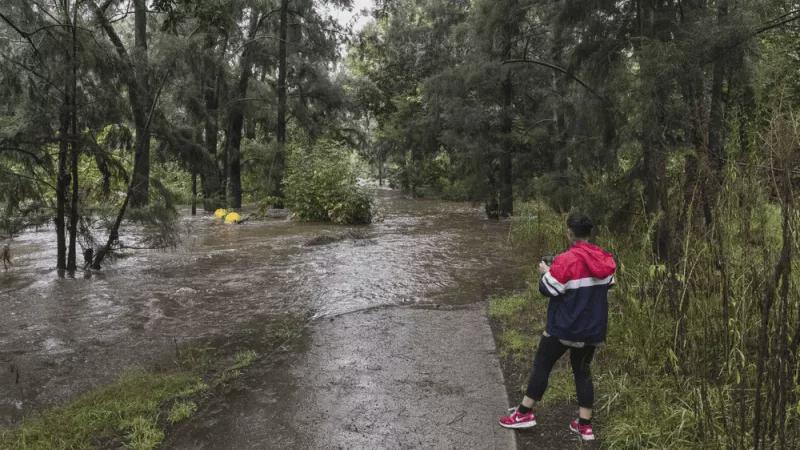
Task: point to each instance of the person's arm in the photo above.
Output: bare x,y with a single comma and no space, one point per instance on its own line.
548,285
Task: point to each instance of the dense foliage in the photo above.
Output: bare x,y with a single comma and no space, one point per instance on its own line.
321,185
117,105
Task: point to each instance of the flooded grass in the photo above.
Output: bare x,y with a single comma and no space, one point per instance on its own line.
127,411
137,410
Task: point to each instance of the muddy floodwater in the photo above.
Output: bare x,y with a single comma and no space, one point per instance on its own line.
62,337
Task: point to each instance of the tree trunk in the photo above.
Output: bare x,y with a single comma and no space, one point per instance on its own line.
221,93
716,124
136,78
61,184
194,192
74,145
236,120
280,130
504,180
655,20
140,106
492,207
559,86
113,235
211,180
655,169
506,198
380,170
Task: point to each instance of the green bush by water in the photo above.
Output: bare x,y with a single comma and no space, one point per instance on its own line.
321,186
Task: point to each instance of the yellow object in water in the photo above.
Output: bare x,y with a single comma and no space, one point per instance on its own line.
221,213
233,217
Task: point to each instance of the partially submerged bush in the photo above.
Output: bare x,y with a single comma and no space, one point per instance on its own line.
321,186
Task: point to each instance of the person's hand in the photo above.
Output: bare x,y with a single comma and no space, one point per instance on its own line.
543,268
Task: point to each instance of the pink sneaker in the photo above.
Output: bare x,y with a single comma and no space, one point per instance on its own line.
584,431
518,420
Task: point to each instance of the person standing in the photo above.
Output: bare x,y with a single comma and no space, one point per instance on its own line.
577,284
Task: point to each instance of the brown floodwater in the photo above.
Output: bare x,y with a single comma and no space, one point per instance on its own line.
62,337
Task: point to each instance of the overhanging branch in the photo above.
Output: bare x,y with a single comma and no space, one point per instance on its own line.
558,69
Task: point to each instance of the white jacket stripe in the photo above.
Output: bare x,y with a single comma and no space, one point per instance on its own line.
588,281
551,282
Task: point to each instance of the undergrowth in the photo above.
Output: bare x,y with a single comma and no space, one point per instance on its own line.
680,368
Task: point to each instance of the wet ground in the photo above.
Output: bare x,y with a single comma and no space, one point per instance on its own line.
63,337
404,377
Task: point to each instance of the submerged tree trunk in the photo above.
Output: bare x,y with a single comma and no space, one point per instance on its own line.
280,129
113,235
194,192
74,145
61,186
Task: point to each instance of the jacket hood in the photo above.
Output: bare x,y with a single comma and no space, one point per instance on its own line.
597,261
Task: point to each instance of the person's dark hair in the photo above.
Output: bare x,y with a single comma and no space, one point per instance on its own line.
580,224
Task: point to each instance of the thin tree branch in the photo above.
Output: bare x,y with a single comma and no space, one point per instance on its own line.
770,26
558,69
34,73
26,177
155,100
33,156
24,34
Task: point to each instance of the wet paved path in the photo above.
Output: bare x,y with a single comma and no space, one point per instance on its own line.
396,377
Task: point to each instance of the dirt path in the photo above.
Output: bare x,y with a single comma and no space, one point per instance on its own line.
396,377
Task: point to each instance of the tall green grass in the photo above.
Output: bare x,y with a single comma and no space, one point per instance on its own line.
680,366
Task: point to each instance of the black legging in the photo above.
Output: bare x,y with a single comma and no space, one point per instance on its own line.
550,349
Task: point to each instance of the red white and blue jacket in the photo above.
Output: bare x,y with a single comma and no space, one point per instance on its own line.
577,284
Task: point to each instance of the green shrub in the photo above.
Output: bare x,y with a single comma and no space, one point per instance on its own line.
321,186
